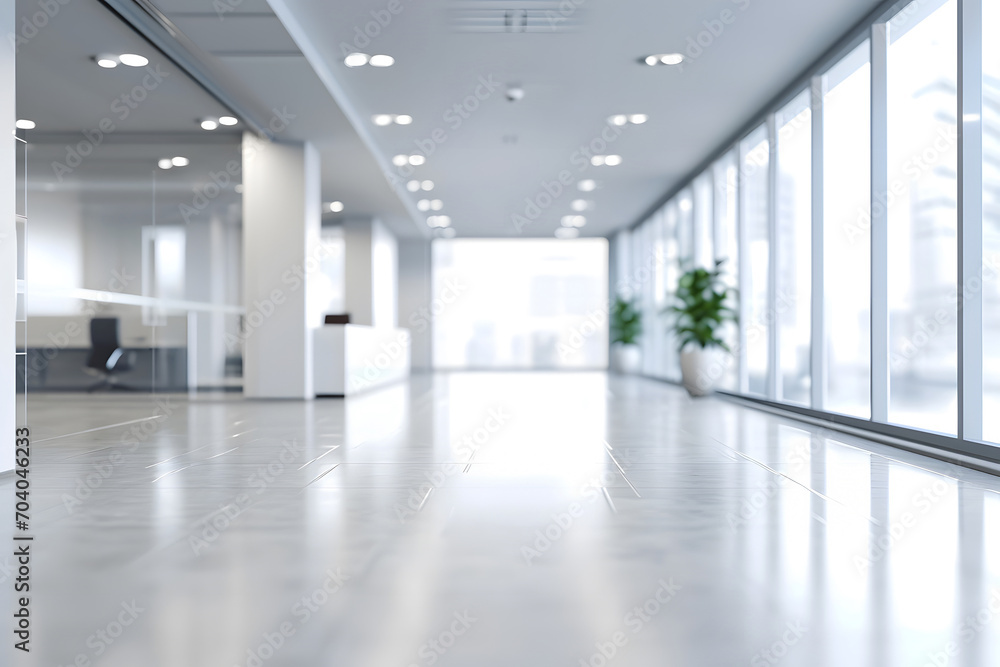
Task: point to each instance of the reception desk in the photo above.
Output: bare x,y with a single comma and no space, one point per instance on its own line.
350,358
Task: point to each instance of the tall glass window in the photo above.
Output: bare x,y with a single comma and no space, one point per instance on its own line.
671,259
685,226
793,248
922,213
725,249
550,313
847,233
991,220
702,191
756,154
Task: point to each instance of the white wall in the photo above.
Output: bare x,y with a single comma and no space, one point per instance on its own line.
370,273
415,299
385,276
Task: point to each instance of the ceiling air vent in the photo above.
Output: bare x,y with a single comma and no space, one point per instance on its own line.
539,16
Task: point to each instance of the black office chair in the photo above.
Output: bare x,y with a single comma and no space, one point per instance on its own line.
106,358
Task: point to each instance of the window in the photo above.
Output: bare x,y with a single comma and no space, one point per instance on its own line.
726,250
847,234
702,191
756,154
922,216
685,226
671,259
522,303
793,248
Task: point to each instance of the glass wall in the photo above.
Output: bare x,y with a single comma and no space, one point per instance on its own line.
792,253
726,251
846,234
797,188
550,313
922,216
754,206
132,238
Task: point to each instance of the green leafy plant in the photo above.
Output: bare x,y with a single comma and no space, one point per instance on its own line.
701,307
626,322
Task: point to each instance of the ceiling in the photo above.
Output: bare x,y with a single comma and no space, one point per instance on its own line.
574,77
578,64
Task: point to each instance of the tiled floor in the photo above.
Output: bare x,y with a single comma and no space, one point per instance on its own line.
493,520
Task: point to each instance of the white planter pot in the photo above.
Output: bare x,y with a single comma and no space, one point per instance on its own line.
699,368
626,359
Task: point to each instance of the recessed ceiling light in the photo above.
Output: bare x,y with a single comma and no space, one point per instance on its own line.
671,59
427,186
573,221
381,61
424,205
209,124
437,204
623,119
180,161
413,186
685,204
356,59
107,60
652,61
586,185
439,221
399,160
336,206
165,163
567,233
133,60
606,160
382,119
24,124
417,160
228,120
403,119
579,204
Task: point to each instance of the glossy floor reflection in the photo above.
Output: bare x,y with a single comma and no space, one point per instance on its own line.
497,519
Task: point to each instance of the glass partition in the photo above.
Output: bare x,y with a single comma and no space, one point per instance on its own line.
132,248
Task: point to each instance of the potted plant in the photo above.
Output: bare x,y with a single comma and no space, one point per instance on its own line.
700,310
626,327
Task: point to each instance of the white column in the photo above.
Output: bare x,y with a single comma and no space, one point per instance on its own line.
8,241
281,221
371,267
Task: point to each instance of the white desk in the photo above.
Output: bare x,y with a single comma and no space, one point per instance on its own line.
349,358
